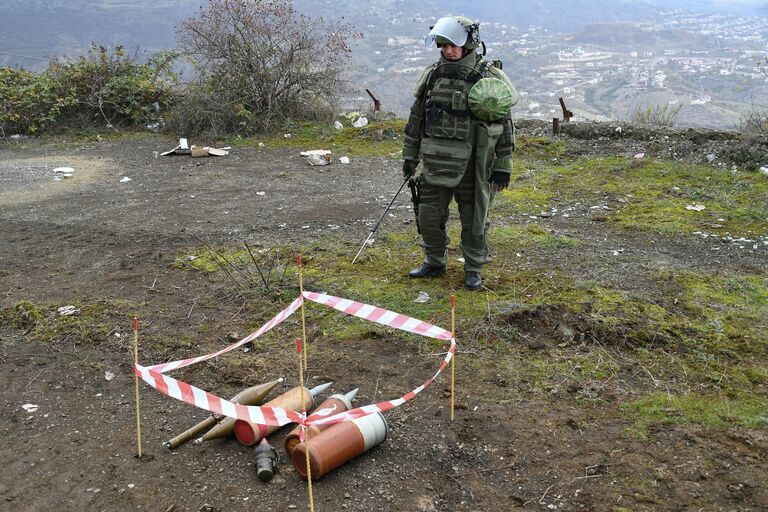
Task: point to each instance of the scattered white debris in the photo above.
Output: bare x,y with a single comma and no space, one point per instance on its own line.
30,407
109,375
261,193
287,135
338,125
360,122
676,188
64,170
640,155
131,486
191,258
695,207
711,157
125,179
320,152
319,159
423,298
344,159
261,144
460,259
618,129
67,311
305,227
617,252
764,170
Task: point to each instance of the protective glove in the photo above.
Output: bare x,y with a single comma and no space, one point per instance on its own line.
409,167
499,180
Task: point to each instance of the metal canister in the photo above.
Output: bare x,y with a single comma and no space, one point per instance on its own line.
334,404
340,443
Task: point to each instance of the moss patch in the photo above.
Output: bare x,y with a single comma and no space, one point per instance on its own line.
712,411
649,195
379,138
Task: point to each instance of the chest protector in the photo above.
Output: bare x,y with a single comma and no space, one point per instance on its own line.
449,128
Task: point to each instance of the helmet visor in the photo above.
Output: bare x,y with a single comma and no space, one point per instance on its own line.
451,29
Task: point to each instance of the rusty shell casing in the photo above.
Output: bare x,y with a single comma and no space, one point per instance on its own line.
338,403
251,433
249,396
339,443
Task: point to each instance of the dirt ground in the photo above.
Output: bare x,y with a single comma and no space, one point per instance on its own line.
91,238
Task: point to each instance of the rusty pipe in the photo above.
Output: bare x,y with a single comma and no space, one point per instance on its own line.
294,399
249,396
340,443
334,404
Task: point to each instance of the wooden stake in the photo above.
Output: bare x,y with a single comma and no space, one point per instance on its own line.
136,378
304,411
453,359
303,321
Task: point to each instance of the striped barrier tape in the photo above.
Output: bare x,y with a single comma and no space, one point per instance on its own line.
155,375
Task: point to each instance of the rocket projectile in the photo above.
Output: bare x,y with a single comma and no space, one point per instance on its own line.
334,404
249,396
351,395
339,443
319,389
294,399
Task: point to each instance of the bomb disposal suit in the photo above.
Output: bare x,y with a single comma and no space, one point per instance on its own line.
460,128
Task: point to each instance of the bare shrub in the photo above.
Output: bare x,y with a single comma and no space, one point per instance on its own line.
657,115
754,121
260,64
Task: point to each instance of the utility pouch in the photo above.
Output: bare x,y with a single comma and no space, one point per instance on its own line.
448,112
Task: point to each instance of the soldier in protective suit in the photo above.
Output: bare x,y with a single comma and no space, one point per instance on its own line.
461,128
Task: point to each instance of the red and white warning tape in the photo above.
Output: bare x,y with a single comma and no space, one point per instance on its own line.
154,375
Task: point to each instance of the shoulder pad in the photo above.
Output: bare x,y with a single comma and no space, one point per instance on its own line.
498,73
421,83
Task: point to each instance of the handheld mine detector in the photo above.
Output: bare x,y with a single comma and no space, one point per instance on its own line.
249,396
378,223
251,433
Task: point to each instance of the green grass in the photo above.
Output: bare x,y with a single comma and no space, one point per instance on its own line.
530,235
379,138
90,325
707,410
654,194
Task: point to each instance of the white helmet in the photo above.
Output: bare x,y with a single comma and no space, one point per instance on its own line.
458,30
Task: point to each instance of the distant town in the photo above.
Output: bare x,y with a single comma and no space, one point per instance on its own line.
712,66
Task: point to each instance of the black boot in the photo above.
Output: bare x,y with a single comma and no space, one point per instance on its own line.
472,280
426,270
